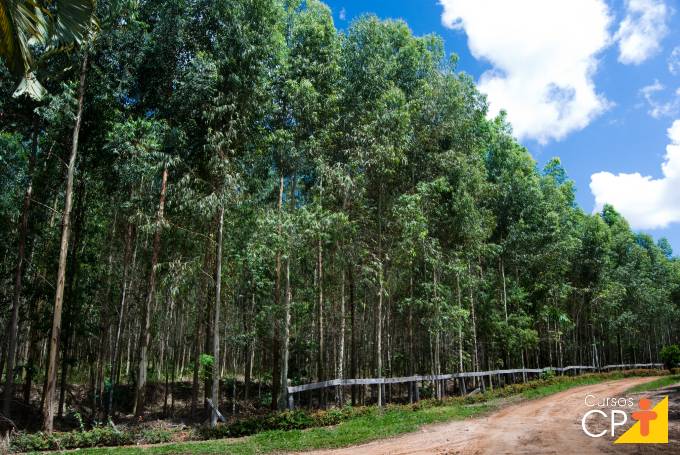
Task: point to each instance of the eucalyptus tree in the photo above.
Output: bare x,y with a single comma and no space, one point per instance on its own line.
341,196
61,274
306,116
248,44
23,26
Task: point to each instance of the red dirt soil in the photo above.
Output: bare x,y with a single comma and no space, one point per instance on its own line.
550,425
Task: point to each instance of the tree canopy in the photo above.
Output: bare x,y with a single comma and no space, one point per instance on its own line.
282,202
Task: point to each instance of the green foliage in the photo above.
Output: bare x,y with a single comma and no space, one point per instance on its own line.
358,171
353,425
96,437
285,421
206,366
670,356
665,381
548,374
104,436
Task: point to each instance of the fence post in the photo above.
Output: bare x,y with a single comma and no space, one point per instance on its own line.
291,401
463,389
417,391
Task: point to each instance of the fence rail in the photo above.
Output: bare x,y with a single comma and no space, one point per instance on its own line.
444,377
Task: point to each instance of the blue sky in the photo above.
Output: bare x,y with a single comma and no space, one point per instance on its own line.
595,82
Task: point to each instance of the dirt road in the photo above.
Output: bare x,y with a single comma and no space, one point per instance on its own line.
550,425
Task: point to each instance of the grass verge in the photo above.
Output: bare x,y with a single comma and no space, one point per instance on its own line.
664,381
370,424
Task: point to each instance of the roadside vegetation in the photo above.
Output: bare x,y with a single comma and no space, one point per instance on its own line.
323,428
665,381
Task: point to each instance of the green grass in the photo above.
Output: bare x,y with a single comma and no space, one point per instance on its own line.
656,384
394,420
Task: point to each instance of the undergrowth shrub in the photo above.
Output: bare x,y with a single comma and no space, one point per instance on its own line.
104,436
298,419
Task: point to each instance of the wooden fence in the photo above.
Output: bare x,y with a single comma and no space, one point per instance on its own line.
441,379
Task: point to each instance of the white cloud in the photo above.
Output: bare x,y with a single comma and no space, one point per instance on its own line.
641,31
544,56
343,14
674,62
658,109
646,202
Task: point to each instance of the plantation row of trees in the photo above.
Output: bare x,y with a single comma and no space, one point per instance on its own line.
259,195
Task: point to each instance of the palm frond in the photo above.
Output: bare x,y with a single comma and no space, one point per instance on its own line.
72,21
21,21
55,24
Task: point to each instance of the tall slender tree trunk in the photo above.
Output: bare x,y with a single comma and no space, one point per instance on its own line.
285,336
378,334
32,355
437,336
51,378
460,325
65,345
474,323
283,396
505,294
145,336
276,345
121,314
352,318
69,300
197,359
320,323
215,392
411,339
341,342
248,367
18,275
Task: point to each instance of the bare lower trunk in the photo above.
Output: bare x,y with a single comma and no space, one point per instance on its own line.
379,335
283,396
215,390
121,313
460,326
145,336
51,378
250,351
353,339
276,344
320,327
285,336
505,294
197,360
18,275
341,343
474,324
437,337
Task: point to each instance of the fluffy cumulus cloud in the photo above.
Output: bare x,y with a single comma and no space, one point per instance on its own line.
544,55
646,202
642,29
